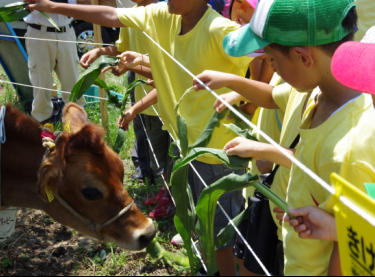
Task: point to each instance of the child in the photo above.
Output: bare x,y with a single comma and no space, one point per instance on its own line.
303,60
192,32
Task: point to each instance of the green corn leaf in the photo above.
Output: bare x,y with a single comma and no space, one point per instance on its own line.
184,218
129,89
102,84
13,7
205,137
13,16
206,210
13,12
120,140
112,99
268,193
50,20
240,132
182,135
90,75
156,251
136,83
227,233
231,161
173,150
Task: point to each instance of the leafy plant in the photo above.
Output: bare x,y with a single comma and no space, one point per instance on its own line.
90,76
198,221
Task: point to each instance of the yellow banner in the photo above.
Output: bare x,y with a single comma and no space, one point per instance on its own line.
356,230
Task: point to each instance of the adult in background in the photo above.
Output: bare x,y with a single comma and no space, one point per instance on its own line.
48,56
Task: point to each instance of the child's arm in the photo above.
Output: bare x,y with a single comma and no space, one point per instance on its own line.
101,15
231,97
255,92
311,223
133,59
246,148
91,56
128,116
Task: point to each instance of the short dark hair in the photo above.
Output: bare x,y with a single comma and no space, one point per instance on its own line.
349,23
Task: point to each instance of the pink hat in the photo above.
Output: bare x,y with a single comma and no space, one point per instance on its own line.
353,65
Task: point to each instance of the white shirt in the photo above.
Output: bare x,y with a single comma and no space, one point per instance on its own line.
36,17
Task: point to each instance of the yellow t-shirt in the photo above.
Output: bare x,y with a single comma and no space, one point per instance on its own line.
292,102
322,149
198,50
132,39
359,163
366,18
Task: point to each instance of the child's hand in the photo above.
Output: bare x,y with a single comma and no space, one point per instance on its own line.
242,147
40,5
312,223
90,57
132,59
125,119
213,79
279,215
230,97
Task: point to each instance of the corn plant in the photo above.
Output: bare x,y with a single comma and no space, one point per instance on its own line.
198,220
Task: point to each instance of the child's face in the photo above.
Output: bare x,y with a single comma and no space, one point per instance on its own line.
242,12
297,68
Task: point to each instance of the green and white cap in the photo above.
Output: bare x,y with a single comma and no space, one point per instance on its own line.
290,23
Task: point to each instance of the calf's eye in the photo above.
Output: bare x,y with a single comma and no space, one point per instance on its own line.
92,193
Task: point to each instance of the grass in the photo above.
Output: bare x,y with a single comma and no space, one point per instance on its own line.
104,258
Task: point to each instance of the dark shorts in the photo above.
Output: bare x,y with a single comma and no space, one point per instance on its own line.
260,232
232,203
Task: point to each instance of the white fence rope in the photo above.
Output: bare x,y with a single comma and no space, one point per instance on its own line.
293,159
57,40
48,89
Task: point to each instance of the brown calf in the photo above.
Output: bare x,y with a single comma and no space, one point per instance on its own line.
82,173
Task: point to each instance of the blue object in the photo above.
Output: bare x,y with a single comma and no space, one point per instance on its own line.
218,5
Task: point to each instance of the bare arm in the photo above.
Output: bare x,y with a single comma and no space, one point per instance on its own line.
101,15
128,116
257,150
150,99
258,93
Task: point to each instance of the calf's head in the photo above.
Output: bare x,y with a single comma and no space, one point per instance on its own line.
83,180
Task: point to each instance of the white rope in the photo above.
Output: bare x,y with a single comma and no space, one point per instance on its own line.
293,159
48,89
57,40
218,203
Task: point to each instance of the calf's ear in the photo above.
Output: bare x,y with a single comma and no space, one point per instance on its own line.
51,170
90,138
74,118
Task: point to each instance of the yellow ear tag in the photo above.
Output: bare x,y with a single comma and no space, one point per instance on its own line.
49,193
67,128
49,127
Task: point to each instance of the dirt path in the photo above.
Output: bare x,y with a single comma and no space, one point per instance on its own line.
41,247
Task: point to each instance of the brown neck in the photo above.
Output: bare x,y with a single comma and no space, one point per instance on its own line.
21,156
